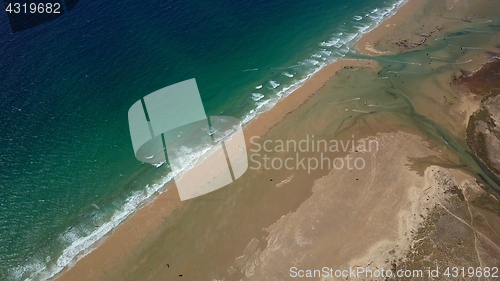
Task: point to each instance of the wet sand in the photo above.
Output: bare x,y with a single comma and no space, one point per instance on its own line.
272,219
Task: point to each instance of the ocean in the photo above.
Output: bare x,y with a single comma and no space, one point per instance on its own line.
68,172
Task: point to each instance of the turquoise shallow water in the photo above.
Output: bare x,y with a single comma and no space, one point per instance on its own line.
68,173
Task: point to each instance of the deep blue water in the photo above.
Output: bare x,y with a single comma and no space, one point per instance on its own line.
67,168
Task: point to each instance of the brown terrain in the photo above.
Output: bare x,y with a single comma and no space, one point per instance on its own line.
463,229
483,132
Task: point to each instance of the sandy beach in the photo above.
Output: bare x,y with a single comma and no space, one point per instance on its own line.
415,203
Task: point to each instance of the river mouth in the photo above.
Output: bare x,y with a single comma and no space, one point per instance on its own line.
436,89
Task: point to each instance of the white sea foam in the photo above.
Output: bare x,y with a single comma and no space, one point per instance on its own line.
274,84
261,107
158,165
257,96
330,42
363,28
348,38
314,62
328,53
342,52
262,104
266,105
358,18
258,87
287,74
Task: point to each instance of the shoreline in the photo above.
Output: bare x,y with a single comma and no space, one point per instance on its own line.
144,221
283,94
148,218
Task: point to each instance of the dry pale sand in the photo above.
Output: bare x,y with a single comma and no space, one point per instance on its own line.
348,213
